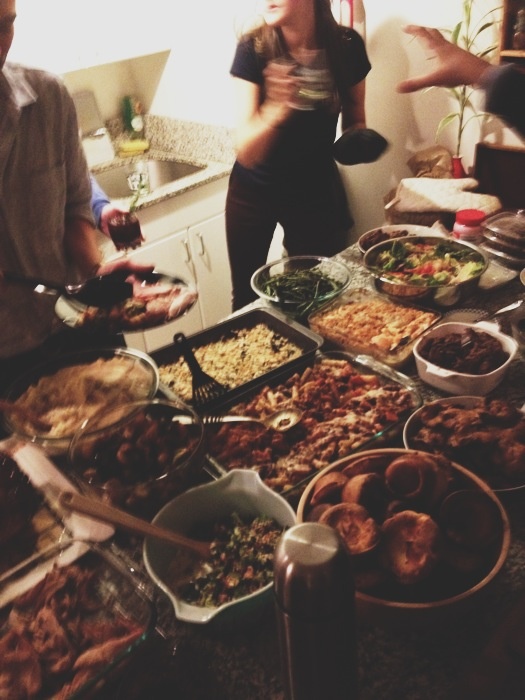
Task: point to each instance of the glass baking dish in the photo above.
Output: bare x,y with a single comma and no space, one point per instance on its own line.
92,610
349,403
363,322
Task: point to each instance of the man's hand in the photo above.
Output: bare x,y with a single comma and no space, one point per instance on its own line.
453,65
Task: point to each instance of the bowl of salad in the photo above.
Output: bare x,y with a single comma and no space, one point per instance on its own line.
300,284
243,519
426,269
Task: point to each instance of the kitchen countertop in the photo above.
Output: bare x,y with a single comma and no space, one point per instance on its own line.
394,663
198,144
211,171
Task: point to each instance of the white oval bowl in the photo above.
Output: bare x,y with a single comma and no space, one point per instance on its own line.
241,491
459,383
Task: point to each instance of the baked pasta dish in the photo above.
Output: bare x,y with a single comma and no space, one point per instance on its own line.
374,326
343,409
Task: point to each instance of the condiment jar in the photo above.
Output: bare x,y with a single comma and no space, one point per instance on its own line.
468,225
315,604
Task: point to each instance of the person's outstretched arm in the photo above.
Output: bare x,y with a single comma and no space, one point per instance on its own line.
504,85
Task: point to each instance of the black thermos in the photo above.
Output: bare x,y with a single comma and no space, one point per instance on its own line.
315,602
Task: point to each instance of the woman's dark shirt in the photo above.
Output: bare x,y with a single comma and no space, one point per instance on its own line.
301,160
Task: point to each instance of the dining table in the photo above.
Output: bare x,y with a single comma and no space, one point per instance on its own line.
476,653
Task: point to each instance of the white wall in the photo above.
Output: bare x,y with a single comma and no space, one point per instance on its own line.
199,69
192,81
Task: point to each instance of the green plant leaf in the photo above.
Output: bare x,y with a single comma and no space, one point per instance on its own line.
454,35
443,123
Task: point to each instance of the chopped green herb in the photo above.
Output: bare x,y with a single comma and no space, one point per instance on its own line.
240,563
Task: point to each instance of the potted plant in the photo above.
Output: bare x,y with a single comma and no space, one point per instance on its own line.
466,34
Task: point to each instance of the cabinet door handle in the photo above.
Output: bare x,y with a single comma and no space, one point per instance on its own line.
199,237
187,254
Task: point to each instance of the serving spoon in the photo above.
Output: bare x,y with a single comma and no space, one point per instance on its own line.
281,420
103,291
94,508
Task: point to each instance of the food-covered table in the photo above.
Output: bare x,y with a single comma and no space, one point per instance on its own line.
191,662
478,654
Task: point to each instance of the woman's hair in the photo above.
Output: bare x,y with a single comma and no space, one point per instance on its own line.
269,41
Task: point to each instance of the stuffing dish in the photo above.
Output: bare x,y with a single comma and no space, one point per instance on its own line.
345,403
234,359
364,322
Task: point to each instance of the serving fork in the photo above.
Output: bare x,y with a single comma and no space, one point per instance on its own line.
204,388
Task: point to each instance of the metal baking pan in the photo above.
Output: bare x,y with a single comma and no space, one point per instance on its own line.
306,340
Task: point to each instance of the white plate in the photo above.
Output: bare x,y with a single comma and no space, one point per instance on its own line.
391,229
71,312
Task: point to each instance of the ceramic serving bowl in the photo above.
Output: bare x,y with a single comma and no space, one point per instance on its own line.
392,278
138,455
426,536
299,285
241,492
67,390
462,383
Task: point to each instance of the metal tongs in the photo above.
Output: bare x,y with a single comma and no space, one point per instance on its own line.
496,315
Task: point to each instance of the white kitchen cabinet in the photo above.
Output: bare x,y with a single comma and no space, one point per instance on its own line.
186,237
212,268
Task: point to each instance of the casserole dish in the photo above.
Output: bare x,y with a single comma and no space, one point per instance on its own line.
348,403
241,352
463,383
361,321
105,604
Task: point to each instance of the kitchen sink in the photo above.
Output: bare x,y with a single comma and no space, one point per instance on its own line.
121,180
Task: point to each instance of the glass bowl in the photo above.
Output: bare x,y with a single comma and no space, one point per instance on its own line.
138,455
299,285
66,390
